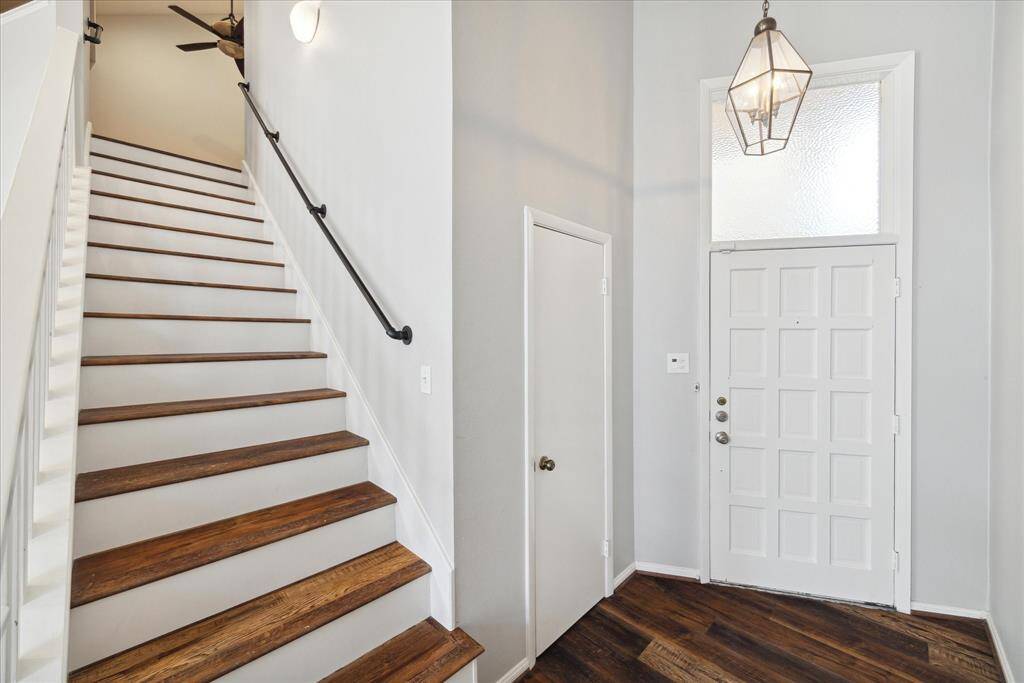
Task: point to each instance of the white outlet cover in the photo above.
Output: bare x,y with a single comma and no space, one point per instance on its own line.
425,379
678,363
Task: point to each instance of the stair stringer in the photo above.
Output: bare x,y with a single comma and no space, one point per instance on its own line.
413,527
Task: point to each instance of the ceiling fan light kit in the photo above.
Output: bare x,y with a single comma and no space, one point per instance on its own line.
304,18
230,34
765,95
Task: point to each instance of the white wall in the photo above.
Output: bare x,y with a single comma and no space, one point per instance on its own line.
145,90
365,115
1007,513
676,45
26,34
543,100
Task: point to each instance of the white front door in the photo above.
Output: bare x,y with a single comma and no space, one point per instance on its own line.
566,337
801,420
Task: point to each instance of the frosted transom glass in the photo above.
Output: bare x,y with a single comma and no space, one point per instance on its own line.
826,181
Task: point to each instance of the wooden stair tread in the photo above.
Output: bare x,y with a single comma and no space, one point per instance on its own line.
161,358
172,228
168,205
164,151
167,170
202,318
187,283
223,642
425,653
142,411
168,186
118,480
119,569
184,254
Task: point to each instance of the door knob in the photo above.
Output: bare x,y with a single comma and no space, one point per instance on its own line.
721,437
546,463
721,416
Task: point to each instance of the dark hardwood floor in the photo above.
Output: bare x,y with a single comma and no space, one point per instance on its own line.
658,629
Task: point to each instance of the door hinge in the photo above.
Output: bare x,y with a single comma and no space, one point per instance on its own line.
898,288
606,548
895,424
604,286
895,560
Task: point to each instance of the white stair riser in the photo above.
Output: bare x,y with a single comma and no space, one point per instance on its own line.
335,644
129,517
178,218
136,171
121,385
146,297
129,442
165,160
171,196
107,626
114,336
153,238
143,264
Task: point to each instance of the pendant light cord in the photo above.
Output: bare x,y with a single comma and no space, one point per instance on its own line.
764,8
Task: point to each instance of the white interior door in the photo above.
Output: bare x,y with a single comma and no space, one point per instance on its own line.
802,390
566,337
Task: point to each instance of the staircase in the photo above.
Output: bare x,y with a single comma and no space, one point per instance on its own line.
224,523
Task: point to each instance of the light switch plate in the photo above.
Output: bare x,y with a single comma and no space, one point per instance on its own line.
425,379
678,362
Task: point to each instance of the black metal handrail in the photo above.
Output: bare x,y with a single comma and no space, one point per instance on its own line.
319,213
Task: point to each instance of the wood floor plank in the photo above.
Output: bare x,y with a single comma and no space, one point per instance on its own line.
188,283
198,318
704,633
119,569
167,186
184,254
223,642
118,480
165,152
143,411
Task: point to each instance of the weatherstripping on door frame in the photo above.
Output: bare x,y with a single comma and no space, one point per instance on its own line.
534,218
896,159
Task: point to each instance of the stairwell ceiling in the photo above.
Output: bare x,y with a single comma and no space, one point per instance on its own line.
159,7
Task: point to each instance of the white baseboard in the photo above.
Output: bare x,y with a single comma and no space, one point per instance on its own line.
625,574
668,570
1001,656
948,610
516,671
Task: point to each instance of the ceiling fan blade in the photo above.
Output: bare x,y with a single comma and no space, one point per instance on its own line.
194,19
240,63
193,47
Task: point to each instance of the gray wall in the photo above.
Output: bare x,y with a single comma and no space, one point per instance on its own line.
543,101
365,117
677,44
1007,539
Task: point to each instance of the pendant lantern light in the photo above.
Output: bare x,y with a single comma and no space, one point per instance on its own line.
767,90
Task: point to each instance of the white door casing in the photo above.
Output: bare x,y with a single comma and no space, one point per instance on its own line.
568,399
803,352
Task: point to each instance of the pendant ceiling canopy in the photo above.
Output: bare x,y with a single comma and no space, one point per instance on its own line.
767,90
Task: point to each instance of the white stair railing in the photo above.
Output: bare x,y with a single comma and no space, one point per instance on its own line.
42,257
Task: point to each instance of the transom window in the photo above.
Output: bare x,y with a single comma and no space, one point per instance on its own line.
824,183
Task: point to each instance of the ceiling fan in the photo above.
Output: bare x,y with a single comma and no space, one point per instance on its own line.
229,31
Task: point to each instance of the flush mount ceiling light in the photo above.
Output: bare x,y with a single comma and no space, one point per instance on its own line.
304,19
767,90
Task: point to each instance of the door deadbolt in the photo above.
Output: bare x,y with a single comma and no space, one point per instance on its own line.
546,464
721,437
721,416
722,401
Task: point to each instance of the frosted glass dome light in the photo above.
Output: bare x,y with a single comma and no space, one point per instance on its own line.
767,90
304,17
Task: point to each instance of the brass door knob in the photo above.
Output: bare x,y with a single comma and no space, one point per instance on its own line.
546,463
721,437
